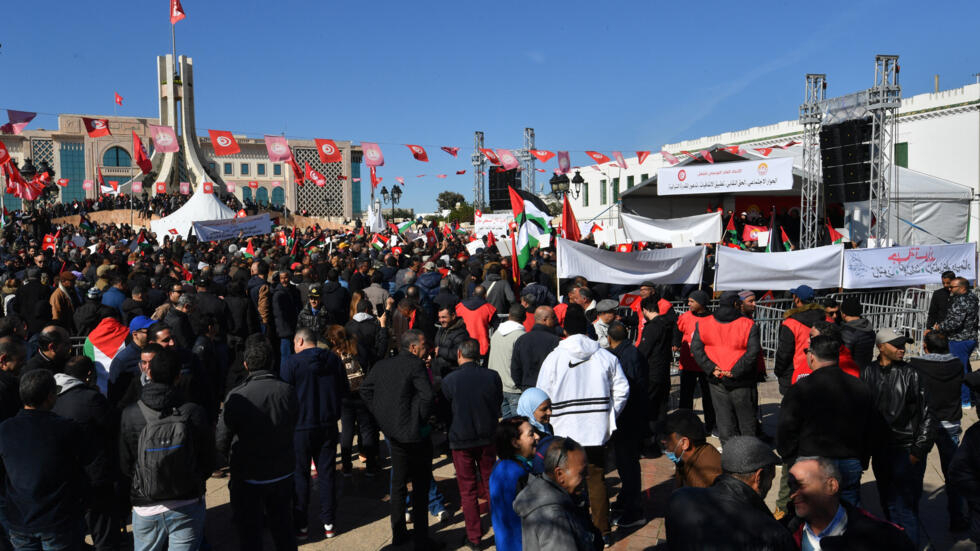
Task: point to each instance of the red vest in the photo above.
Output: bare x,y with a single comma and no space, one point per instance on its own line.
725,343
801,338
529,321
560,310
478,323
847,363
686,323
663,306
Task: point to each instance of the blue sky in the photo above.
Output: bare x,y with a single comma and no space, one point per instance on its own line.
584,75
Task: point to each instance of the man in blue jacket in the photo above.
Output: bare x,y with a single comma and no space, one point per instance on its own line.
42,458
320,383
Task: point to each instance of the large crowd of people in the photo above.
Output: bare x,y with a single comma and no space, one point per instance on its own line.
251,359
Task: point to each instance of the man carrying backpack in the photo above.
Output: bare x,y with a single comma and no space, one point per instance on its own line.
167,453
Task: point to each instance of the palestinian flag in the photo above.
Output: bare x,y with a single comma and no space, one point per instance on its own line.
787,244
732,234
102,345
379,241
531,216
86,224
403,227
5,219
835,236
140,243
249,250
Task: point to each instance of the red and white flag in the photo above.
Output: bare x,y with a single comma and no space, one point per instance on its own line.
276,183
595,228
564,162
451,150
669,158
597,157
185,188
176,12
314,176
328,151
790,144
620,161
173,231
207,187
372,154
418,152
491,156
298,175
161,187
253,184
507,159
440,175
706,155
50,241
342,177
542,155
118,99
242,214
460,172
4,154
63,182
540,170
223,142
17,121
230,187
98,174
17,186
734,149
764,151
624,248
689,154
96,127
374,177
277,148
400,180
641,156
87,185
137,186
164,139
142,159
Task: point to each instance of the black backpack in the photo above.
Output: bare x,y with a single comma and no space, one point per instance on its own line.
166,460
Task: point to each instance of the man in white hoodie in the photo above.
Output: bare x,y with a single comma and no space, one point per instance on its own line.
588,390
501,351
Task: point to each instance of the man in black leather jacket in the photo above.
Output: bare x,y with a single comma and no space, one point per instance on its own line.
900,397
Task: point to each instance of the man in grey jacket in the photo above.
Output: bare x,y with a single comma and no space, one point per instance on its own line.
550,521
501,352
499,293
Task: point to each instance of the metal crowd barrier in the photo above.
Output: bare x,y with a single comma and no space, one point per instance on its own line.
78,346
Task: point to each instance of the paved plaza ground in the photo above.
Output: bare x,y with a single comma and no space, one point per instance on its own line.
363,525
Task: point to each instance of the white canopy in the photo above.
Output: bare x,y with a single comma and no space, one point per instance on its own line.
200,207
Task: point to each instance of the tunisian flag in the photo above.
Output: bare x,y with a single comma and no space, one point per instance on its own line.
224,143
597,157
164,139
507,159
96,127
161,187
569,226
542,155
329,152
176,12
142,159
491,156
641,156
418,152
208,187
372,154
277,148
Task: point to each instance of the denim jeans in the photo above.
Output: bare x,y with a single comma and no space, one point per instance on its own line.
508,408
962,350
177,530
947,439
46,541
285,348
437,501
850,483
900,488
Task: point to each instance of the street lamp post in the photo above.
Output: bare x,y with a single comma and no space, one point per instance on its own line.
393,197
562,186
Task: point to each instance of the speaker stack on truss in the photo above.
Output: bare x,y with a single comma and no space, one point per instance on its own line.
848,150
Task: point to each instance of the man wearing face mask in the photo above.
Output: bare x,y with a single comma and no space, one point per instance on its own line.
698,463
731,513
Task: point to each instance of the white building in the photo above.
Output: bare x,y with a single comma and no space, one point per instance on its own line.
938,134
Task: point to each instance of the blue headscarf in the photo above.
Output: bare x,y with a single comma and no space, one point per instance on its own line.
529,401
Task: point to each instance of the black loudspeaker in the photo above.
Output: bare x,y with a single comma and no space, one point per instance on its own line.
498,184
845,154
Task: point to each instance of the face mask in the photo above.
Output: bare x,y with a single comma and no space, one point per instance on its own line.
673,456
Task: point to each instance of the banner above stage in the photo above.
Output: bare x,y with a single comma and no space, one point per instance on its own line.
819,268
232,228
771,174
680,265
700,228
904,266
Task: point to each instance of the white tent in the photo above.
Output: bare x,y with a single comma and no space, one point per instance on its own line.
199,208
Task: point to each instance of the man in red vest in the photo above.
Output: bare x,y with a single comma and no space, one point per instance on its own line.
691,373
478,315
794,336
726,346
664,307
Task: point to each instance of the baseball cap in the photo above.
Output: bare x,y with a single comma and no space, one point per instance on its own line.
746,454
93,293
139,323
892,337
803,292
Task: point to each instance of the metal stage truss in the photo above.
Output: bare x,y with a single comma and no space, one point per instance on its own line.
884,99
479,166
811,117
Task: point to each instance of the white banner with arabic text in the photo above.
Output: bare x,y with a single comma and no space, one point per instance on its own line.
771,174
496,222
905,266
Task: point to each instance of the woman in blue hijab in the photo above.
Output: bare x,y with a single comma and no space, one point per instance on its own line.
535,405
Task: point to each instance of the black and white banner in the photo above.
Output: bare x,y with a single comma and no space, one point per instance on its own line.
910,265
770,174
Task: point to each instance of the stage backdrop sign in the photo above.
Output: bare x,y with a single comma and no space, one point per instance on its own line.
496,222
770,174
700,228
819,268
903,266
219,230
681,265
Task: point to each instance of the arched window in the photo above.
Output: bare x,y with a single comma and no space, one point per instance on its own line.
116,156
246,194
278,196
262,196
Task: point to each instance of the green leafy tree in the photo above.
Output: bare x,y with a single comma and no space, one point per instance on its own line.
447,200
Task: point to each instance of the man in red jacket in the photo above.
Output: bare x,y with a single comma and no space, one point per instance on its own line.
478,315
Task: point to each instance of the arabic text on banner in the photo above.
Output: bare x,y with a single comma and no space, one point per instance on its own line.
218,230
680,265
770,174
700,228
818,267
496,222
911,265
